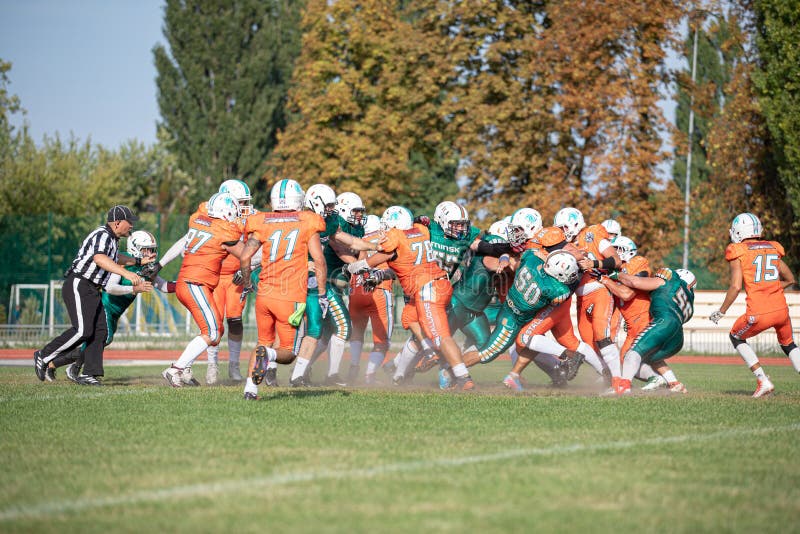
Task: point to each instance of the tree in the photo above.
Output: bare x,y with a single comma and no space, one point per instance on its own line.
222,84
366,106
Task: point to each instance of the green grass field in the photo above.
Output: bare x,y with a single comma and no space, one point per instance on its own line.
138,456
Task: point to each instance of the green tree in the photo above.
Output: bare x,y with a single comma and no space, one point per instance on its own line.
222,84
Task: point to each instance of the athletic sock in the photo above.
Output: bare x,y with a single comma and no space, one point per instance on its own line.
195,348
213,354
300,365
355,352
760,373
234,351
335,353
645,372
545,345
404,358
610,355
591,357
511,352
748,354
375,361
794,356
460,370
632,363
670,377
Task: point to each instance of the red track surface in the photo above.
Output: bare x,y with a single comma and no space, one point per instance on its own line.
17,354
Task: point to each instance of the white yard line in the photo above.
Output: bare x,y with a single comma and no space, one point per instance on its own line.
226,487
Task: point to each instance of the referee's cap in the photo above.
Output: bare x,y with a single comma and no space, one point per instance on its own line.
121,213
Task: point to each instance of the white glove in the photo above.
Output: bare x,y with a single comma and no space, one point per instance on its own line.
716,316
358,267
323,304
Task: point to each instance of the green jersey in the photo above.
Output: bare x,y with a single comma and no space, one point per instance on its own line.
448,251
333,223
478,285
115,305
673,299
533,289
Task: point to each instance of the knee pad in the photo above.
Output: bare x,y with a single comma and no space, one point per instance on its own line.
380,347
603,343
736,341
235,326
788,348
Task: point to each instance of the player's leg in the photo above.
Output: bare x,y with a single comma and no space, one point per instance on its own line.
313,320
360,307
234,308
783,328
602,317
341,318
212,370
744,328
382,321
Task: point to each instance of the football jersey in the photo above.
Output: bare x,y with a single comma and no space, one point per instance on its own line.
356,287
414,263
591,240
231,263
762,281
333,223
284,261
673,299
203,253
640,303
533,289
450,252
478,285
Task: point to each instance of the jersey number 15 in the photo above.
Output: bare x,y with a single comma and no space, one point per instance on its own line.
766,269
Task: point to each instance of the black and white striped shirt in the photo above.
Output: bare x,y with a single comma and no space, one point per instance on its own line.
101,241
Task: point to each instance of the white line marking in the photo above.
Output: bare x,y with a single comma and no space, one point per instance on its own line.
226,487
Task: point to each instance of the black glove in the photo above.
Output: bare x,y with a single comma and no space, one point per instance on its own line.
238,279
150,270
597,274
245,290
373,279
423,220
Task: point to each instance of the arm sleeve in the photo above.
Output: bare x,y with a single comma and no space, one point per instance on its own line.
113,286
494,250
173,252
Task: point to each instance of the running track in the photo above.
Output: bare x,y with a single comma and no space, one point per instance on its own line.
171,355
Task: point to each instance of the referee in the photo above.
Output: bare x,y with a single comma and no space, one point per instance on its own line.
96,260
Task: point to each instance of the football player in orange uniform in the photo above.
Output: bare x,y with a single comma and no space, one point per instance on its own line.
756,264
407,252
287,236
595,303
211,237
371,300
228,294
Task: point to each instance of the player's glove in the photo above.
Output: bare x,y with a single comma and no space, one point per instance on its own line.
716,316
245,290
358,267
373,279
238,279
150,270
597,274
423,220
614,275
323,305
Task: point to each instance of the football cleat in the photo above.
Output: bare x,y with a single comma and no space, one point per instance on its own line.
654,383
559,376
389,368
464,383
38,365
260,367
50,374
512,382
574,360
428,360
299,382
88,380
677,387
233,372
446,378
352,374
764,388
188,378
335,380
623,386
271,377
173,376
212,373
251,396
73,371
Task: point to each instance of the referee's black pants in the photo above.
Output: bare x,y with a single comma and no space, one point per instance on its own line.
85,308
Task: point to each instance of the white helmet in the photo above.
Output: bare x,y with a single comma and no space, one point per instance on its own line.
372,224
688,277
626,248
321,199
398,217
562,266
571,222
223,206
238,190
351,209
286,195
500,229
613,228
139,241
744,226
453,219
529,219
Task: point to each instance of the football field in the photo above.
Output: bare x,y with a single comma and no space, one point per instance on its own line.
137,456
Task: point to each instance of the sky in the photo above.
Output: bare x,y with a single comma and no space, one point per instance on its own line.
84,67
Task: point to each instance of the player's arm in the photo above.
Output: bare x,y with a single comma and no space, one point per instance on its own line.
174,251
114,287
354,243
107,264
787,277
378,258
650,283
735,285
344,253
234,248
249,249
495,250
618,290
163,285
320,267
609,262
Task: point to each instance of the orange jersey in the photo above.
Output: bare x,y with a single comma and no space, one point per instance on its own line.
355,282
231,264
284,263
640,303
415,264
204,254
762,281
591,240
